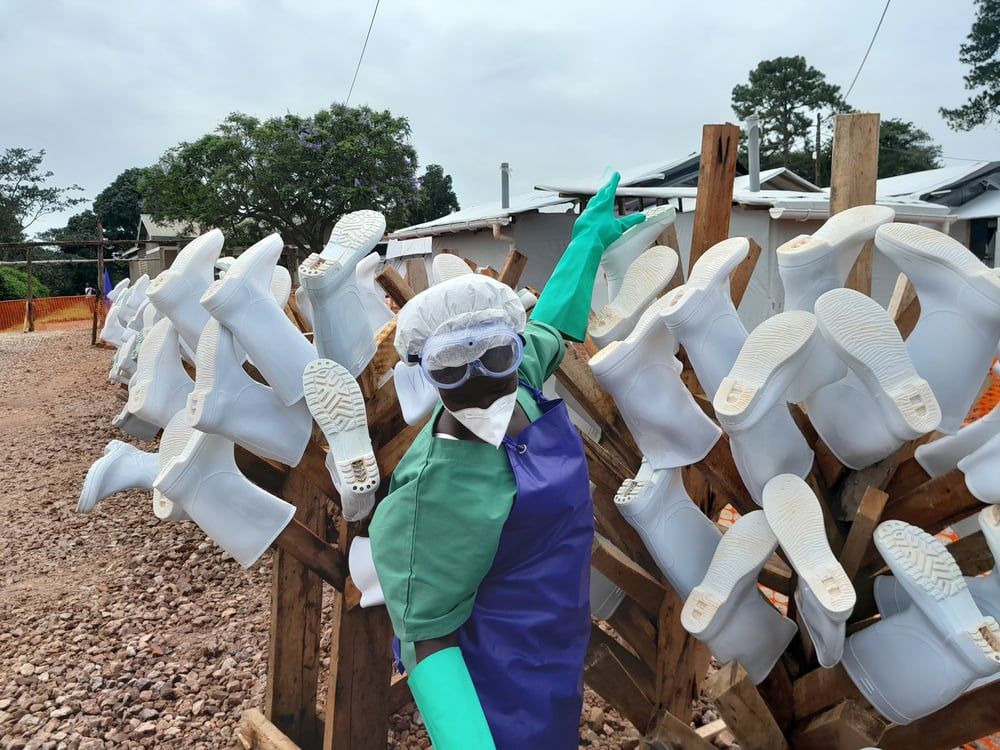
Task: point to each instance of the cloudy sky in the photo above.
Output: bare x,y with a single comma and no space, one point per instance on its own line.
557,88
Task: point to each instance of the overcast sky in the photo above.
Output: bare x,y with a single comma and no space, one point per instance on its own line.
557,88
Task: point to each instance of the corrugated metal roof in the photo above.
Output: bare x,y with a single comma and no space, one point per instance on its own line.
482,214
165,230
982,206
922,184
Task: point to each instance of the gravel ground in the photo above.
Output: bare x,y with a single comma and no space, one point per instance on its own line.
118,630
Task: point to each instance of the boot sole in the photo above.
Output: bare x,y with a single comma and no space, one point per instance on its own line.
855,226
446,267
658,218
281,286
794,514
358,231
336,403
935,583
712,270
865,338
742,552
645,278
175,438
208,349
767,356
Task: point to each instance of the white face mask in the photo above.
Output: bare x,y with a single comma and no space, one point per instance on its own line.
489,424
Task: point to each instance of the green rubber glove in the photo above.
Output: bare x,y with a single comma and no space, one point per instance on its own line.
565,302
447,699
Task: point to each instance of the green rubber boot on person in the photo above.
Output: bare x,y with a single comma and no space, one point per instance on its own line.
447,699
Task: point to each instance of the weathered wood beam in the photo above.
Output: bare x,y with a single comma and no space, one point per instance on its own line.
513,267
972,554
971,717
746,714
608,678
621,570
641,672
670,733
847,726
859,539
322,558
935,504
739,279
636,629
904,307
255,732
716,174
878,475
853,172
416,274
820,689
681,661
395,285
719,466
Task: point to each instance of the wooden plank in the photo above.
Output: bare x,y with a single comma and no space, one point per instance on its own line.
609,679
968,719
859,539
716,173
670,733
820,689
255,732
395,285
935,504
358,684
399,693
293,645
908,476
321,557
711,730
878,475
681,661
746,714
849,725
668,238
739,279
776,690
830,468
489,271
636,629
853,172
513,267
647,592
641,672
972,554
416,274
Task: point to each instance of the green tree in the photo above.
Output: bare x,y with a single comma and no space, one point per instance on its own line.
903,148
292,174
786,93
14,284
435,197
980,53
119,204
25,193
71,278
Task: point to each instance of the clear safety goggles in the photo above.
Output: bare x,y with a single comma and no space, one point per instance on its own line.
449,359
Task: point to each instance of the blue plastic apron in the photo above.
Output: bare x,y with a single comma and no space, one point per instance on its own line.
526,639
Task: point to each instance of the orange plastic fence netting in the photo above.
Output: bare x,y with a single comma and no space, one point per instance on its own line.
51,313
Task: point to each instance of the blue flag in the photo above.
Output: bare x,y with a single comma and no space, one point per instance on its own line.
107,286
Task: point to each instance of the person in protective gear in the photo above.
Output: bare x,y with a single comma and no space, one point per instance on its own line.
482,546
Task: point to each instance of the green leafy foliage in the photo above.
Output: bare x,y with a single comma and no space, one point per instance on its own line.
785,92
14,284
903,148
435,197
981,53
291,174
72,278
25,195
119,204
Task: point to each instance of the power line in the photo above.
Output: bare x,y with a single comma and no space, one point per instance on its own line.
362,56
870,45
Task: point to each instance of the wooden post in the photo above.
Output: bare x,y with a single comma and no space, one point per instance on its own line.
416,274
29,304
99,290
716,173
744,711
513,267
853,173
296,604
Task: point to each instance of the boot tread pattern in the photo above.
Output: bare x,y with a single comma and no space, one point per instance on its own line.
357,229
924,559
315,266
208,346
651,271
333,396
718,262
931,244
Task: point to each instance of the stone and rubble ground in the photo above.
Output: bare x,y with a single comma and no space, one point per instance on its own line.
117,630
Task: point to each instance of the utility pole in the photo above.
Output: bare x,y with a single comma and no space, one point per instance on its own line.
818,150
99,296
29,307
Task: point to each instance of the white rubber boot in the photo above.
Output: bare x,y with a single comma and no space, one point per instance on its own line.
161,384
982,471
942,455
111,331
783,359
136,296
912,663
227,401
235,513
361,565
176,291
727,613
372,295
677,534
624,251
354,236
150,317
827,635
336,403
135,426
122,467
124,364
281,286
953,342
242,301
115,293
305,307
174,439
223,263
137,320
645,278
702,317
812,265
446,266
341,330
643,376
417,397
883,402
794,514
605,596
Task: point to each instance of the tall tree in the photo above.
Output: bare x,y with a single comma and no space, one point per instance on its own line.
291,174
785,92
435,197
903,148
119,204
25,195
980,52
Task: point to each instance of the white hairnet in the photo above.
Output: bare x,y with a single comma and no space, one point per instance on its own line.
455,303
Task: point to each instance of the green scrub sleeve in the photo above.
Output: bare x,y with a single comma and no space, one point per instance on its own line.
543,352
565,301
443,690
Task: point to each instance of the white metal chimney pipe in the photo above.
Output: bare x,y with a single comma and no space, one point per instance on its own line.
753,152
505,185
